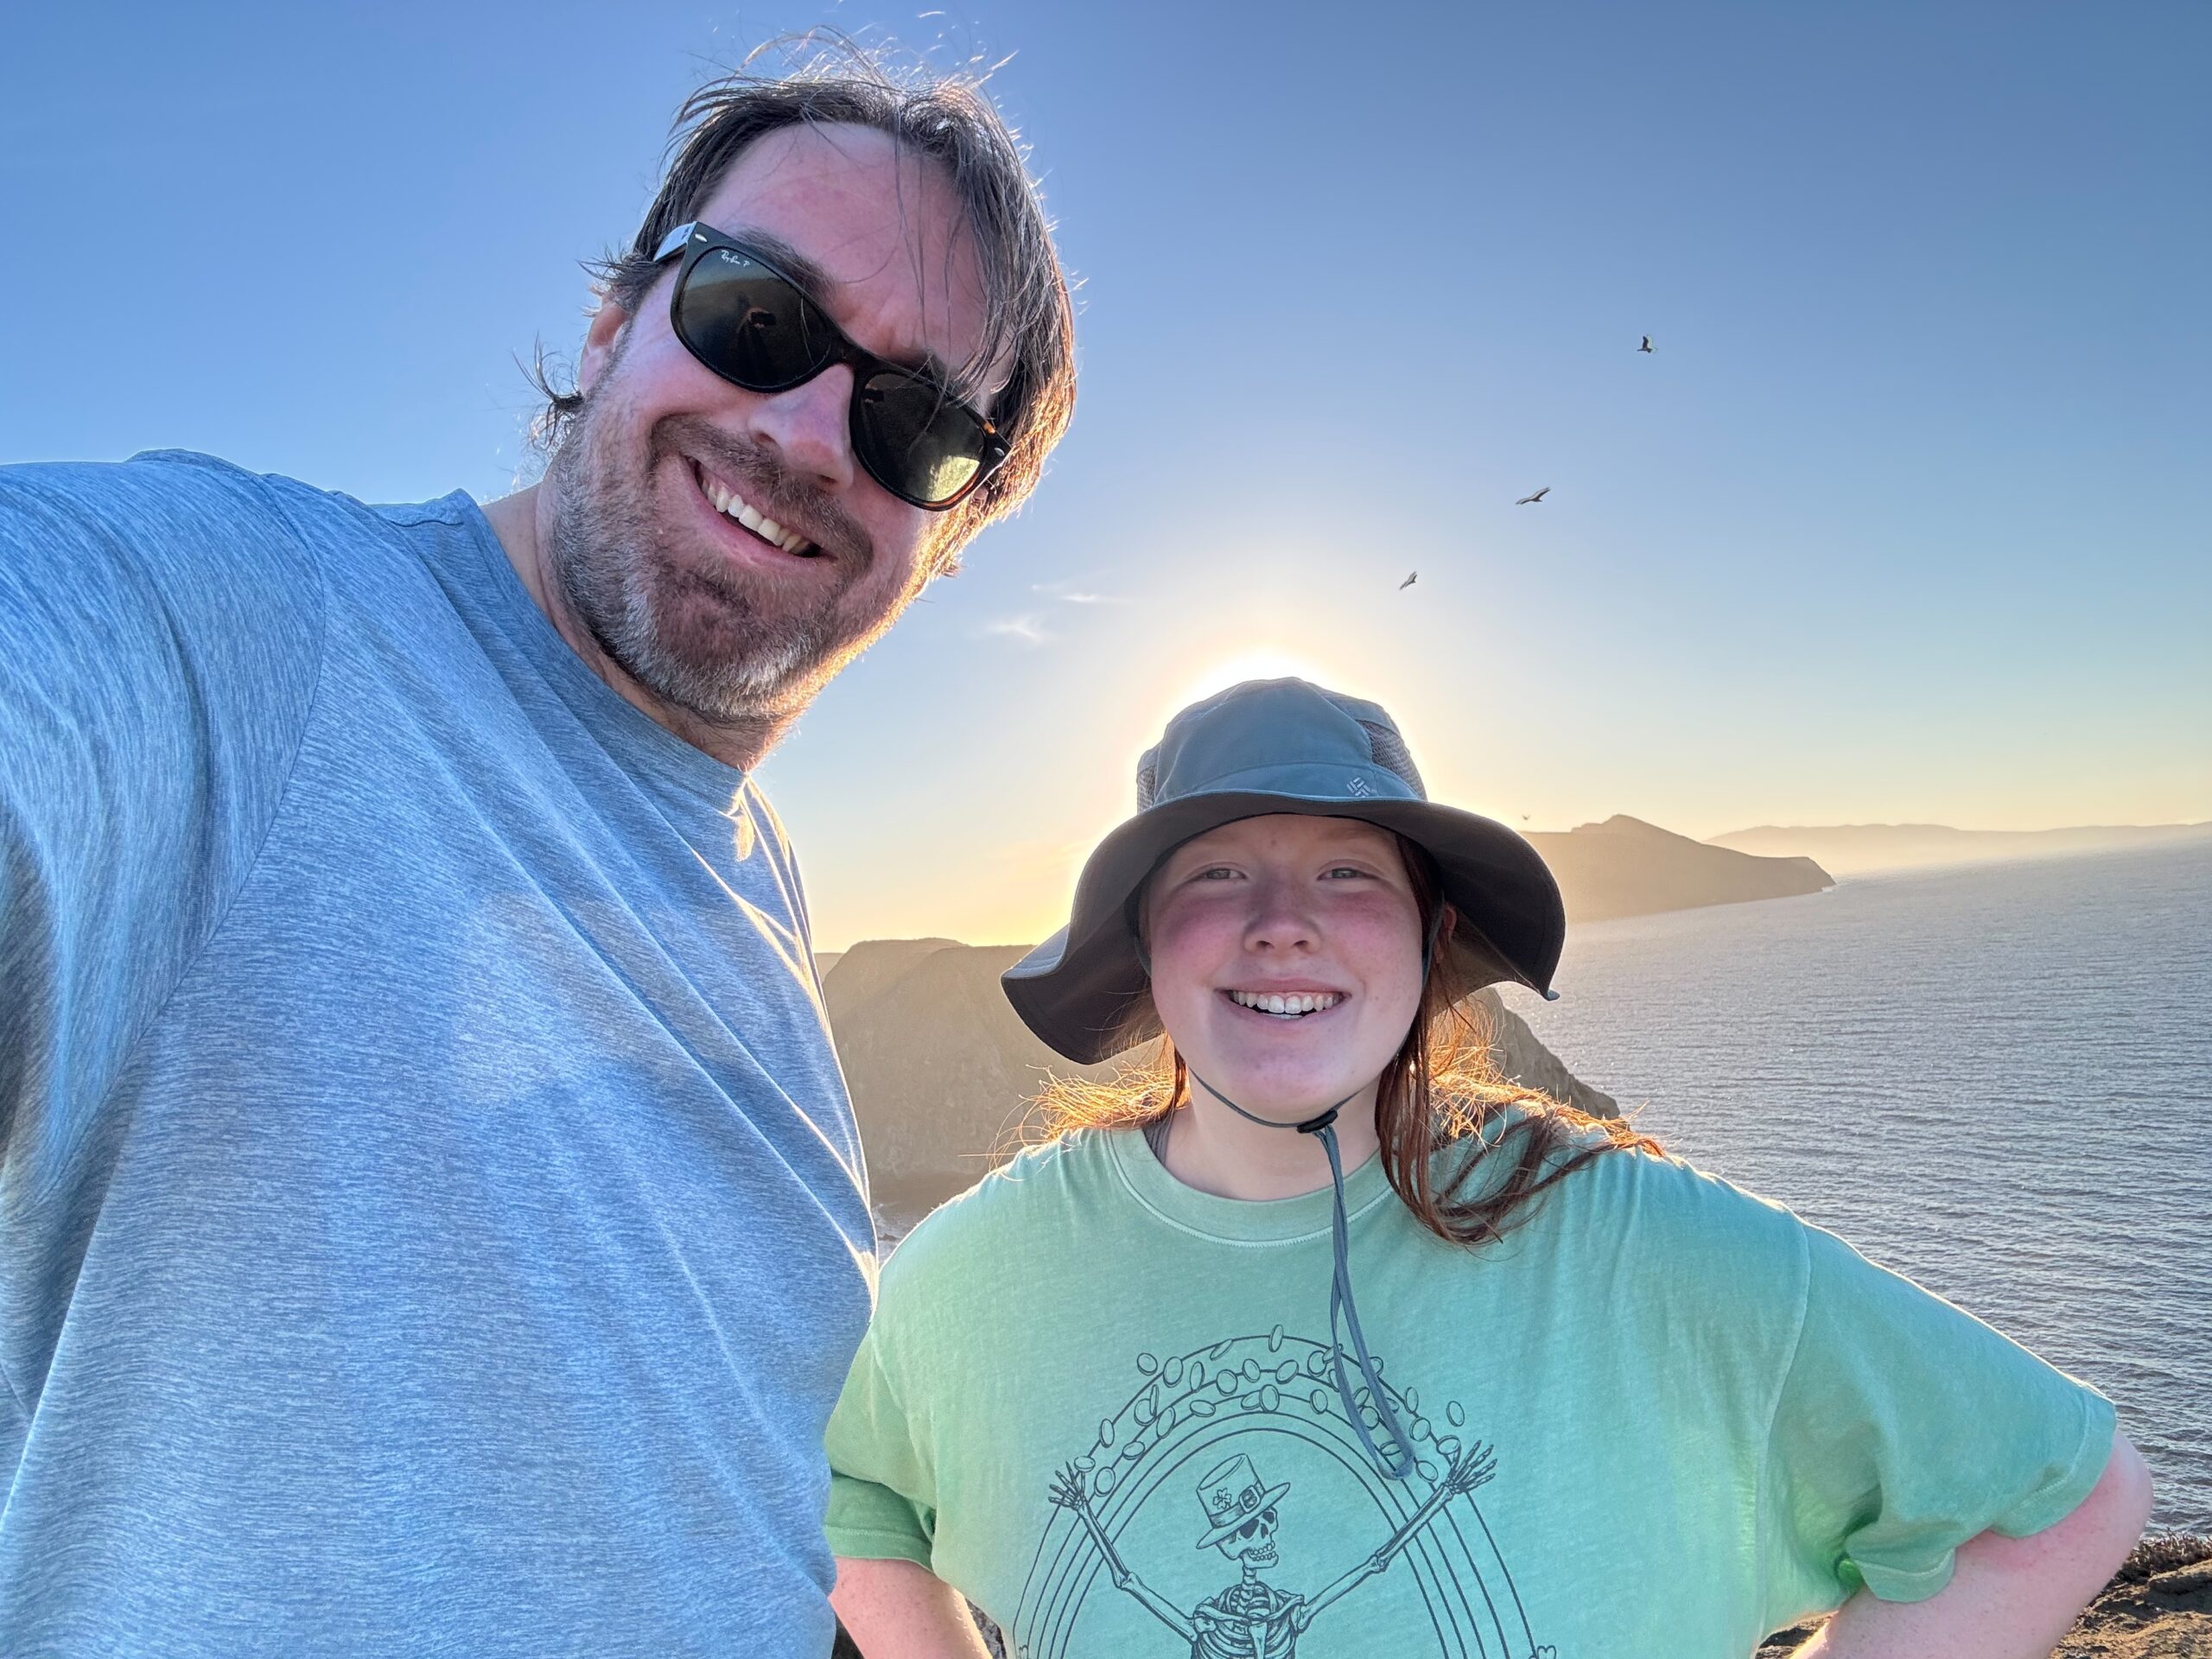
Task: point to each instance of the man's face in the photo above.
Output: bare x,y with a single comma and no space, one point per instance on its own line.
704,613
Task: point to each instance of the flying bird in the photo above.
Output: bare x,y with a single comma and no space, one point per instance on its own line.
1647,344
1538,496
1409,581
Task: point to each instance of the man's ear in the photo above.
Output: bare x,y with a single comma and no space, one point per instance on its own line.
602,340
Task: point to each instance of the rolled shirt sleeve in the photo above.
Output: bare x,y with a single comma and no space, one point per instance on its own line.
882,1500
1905,1426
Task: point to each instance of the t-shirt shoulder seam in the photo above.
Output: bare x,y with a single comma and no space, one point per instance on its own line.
283,791
874,1346
873,1349
282,794
1764,1484
15,1394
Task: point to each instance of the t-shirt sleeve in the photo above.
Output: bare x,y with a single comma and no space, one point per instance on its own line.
161,629
882,1497
1904,1427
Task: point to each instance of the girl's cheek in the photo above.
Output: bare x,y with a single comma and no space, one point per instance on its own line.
1191,924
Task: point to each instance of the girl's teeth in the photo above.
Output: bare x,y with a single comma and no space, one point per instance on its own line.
1303,1002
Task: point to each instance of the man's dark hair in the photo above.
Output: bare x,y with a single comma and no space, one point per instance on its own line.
1029,327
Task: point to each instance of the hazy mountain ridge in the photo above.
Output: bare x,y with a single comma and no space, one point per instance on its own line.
942,1071
1858,848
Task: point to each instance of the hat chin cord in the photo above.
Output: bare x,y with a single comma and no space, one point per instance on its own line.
1342,1308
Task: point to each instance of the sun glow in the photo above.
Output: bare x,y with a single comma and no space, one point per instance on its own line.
1267,662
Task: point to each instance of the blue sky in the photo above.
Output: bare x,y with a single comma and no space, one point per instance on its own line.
1905,519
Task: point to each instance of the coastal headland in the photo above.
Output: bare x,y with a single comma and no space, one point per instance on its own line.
1624,867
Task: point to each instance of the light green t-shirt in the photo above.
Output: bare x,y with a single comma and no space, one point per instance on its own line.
1661,1420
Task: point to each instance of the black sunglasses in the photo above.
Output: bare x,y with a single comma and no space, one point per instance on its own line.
756,327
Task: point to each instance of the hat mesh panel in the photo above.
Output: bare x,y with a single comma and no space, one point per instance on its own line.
1392,755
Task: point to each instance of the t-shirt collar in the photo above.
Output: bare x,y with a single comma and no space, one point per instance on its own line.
641,744
1240,1221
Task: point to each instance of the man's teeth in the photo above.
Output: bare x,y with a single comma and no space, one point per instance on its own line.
759,524
1269,1003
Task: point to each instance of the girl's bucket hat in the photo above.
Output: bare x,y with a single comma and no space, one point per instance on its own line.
1279,745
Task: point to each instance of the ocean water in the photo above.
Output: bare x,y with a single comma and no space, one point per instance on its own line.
1996,1080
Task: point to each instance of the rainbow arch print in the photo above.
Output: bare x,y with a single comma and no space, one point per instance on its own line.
1267,1401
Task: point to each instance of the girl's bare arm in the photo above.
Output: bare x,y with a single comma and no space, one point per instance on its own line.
2009,1598
895,1610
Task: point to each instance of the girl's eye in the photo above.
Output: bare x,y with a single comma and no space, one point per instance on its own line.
1345,869
1218,873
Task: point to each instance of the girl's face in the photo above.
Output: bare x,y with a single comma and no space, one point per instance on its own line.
1312,915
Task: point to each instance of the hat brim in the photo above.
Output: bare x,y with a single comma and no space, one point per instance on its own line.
1076,990
1272,1494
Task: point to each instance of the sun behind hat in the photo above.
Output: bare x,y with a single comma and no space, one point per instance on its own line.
1279,745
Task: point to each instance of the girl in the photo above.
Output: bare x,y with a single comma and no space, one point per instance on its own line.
1312,1337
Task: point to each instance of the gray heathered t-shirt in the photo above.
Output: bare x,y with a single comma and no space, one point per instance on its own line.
432,1220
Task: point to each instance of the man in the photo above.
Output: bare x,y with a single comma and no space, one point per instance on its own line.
431,1217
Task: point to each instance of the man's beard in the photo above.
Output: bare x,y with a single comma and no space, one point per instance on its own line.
692,629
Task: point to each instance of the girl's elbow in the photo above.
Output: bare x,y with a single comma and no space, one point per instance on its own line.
2132,1498
2110,1520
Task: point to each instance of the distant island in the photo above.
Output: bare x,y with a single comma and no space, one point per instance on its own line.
1858,848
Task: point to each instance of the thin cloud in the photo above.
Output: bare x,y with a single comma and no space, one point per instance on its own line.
1026,629
1071,595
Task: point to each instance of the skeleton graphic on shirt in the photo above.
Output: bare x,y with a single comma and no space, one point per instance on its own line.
1251,1618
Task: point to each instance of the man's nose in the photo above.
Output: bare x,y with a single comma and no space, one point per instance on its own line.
808,428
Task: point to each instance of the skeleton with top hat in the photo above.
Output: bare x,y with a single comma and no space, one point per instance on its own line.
1251,1618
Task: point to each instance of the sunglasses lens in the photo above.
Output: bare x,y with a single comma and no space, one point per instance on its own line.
918,442
753,326
749,324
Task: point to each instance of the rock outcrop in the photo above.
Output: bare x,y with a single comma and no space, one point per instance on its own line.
943,1072
1626,867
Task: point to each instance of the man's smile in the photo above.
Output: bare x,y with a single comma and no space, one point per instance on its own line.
724,498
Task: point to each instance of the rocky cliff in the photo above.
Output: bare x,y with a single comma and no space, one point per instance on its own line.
943,1072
